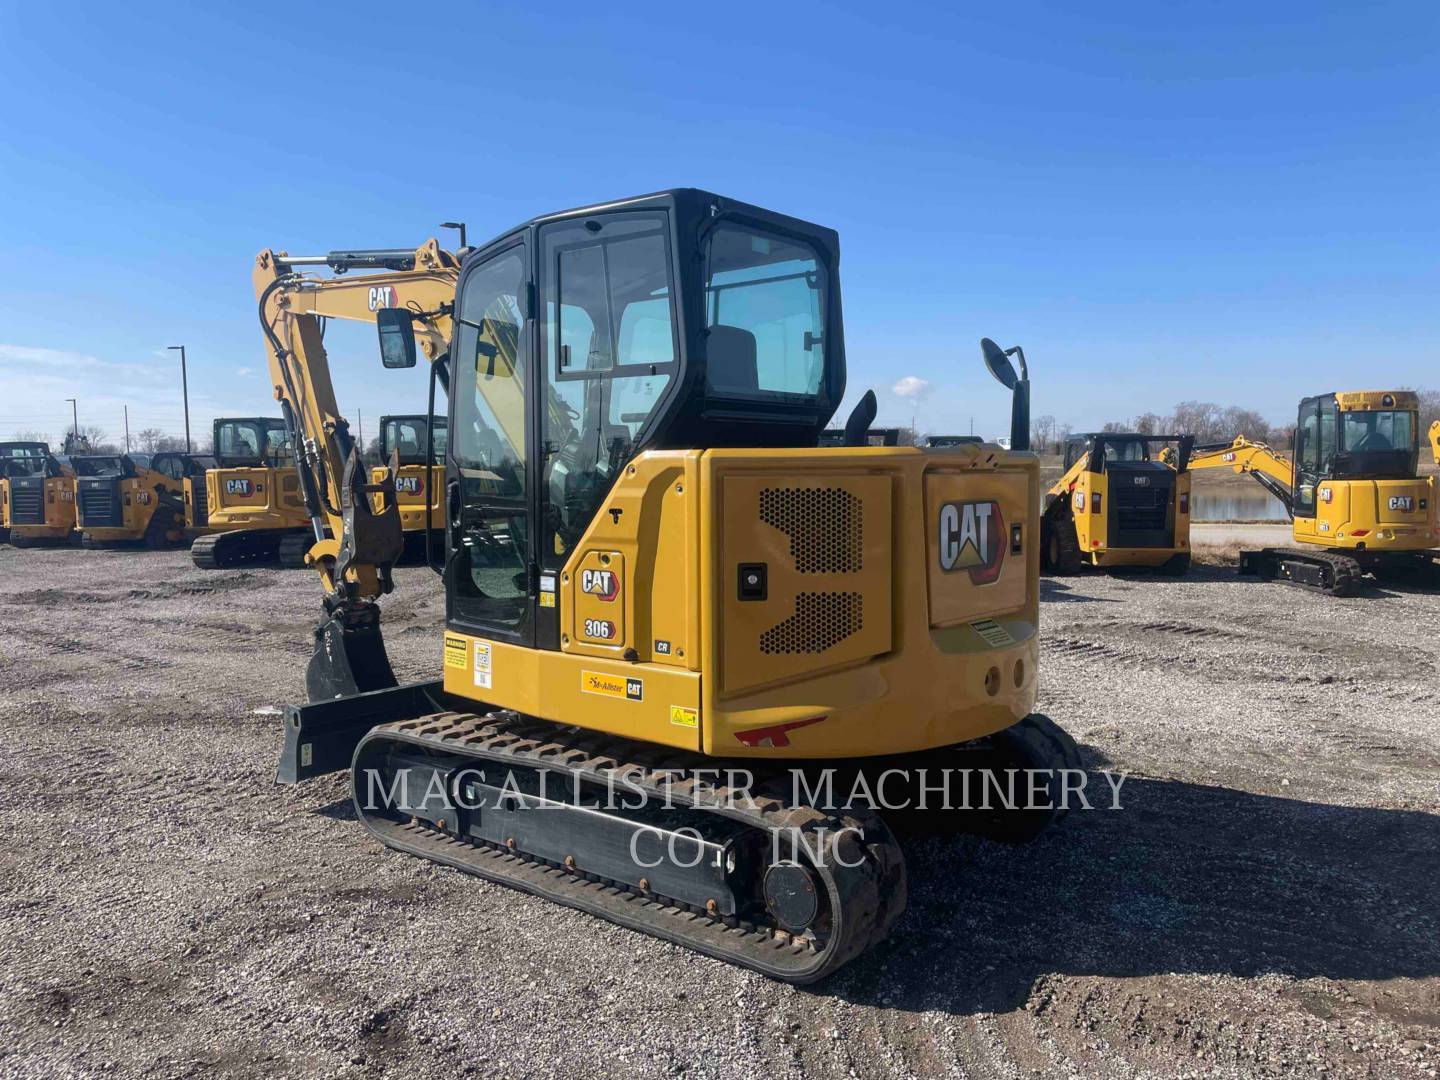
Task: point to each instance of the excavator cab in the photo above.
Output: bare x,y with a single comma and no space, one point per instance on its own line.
1356,467
249,505
403,440
37,495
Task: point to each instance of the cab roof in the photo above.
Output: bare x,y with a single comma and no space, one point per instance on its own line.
696,201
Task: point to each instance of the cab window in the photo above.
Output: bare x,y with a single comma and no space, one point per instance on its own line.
764,315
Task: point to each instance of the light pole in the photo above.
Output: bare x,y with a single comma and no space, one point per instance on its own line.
184,393
75,421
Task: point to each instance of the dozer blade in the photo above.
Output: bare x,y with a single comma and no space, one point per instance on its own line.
321,737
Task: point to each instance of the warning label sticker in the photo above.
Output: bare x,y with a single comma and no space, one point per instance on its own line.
616,686
993,633
482,664
454,652
680,716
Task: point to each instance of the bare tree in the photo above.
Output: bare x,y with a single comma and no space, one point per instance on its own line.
1202,419
1247,422
147,440
1150,424
32,436
1042,432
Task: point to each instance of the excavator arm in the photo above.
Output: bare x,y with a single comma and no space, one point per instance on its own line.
364,532
1269,467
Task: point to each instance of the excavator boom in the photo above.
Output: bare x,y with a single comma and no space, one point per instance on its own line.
359,514
354,562
1270,468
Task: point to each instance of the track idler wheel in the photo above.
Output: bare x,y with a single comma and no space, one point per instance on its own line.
791,896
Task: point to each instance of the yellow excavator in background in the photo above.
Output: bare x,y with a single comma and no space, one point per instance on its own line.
1435,441
1353,491
37,495
1123,500
127,499
251,500
420,476
655,577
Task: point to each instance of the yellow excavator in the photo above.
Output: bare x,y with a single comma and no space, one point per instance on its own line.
127,499
673,620
420,476
1352,490
250,502
1122,501
37,495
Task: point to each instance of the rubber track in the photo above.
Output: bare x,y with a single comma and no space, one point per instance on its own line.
239,547
864,900
1345,573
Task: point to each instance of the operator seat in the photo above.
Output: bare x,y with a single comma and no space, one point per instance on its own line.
730,360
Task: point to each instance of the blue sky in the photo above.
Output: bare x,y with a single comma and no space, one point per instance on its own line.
1235,202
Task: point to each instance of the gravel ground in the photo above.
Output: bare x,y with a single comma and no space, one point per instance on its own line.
1263,904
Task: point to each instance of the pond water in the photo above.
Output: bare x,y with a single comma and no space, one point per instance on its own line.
1236,506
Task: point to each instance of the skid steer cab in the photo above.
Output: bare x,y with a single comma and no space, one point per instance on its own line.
1123,500
37,495
126,499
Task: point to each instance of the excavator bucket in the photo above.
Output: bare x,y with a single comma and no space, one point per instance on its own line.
349,655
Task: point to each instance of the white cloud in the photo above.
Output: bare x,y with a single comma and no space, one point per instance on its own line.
912,386
36,383
245,372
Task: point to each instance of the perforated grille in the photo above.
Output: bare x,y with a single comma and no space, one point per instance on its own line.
824,526
821,621
26,505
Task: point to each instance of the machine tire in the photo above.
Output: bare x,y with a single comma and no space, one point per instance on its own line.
157,532
1061,550
1176,565
19,540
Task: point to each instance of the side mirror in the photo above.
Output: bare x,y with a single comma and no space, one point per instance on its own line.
998,363
396,327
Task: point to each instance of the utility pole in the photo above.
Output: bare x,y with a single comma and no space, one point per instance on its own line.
360,427
74,416
127,429
184,392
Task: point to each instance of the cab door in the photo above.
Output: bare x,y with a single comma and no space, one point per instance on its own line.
490,573
608,357
1316,432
